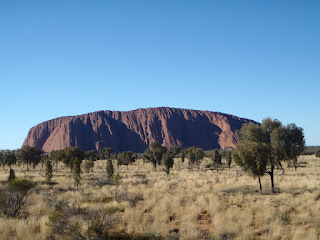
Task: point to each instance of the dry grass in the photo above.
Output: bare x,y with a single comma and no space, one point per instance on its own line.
149,202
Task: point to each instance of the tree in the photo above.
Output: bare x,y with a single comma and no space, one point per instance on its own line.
167,163
147,155
76,171
217,158
110,170
29,155
195,155
4,157
68,155
294,143
192,159
173,151
183,155
252,157
49,171
90,155
157,151
318,153
125,158
154,154
10,159
12,175
105,153
54,156
287,143
227,155
281,143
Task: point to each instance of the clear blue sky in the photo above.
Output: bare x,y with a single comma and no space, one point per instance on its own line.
252,59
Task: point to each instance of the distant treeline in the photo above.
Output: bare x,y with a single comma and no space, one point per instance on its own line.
311,150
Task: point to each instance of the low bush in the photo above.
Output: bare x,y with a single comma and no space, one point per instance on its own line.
81,223
13,197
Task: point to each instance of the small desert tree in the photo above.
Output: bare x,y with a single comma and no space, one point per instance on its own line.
183,156
49,171
217,159
12,175
148,156
125,158
167,163
72,154
28,155
76,171
174,151
154,153
284,143
110,170
67,156
252,157
105,153
192,159
7,157
90,155
10,159
195,155
53,157
227,155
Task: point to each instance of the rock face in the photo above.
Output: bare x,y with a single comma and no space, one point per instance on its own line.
135,130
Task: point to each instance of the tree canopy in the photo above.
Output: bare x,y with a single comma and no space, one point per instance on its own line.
68,155
167,163
263,147
105,153
154,153
125,158
29,155
195,155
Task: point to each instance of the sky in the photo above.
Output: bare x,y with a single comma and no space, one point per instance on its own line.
252,59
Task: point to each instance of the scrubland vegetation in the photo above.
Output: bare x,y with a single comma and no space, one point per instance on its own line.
201,204
166,193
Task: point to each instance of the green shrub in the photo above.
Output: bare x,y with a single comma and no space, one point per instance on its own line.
21,185
12,175
116,179
72,222
13,198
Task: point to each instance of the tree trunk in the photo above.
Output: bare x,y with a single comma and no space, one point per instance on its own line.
271,173
260,185
272,179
